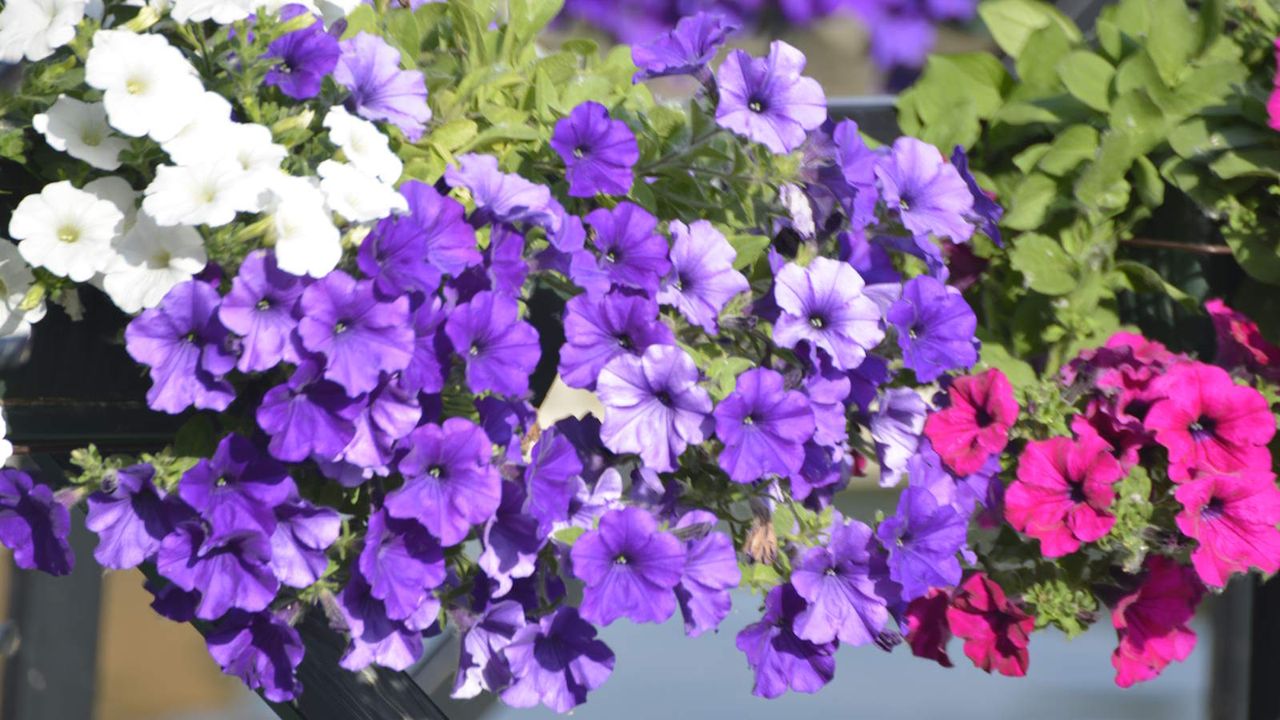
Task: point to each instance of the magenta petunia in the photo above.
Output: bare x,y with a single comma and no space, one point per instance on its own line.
1208,422
630,569
995,630
1152,621
976,424
1233,520
1063,492
927,632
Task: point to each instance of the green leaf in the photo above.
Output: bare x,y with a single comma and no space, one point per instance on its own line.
1012,22
1147,182
723,374
569,535
1143,279
1030,202
1087,76
1075,145
1102,187
1199,137
454,134
403,31
1045,48
1254,162
363,19
13,145
748,247
1043,263
1019,372
1172,38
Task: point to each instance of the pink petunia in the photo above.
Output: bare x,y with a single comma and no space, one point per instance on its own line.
1151,622
976,424
995,630
1233,519
1240,343
927,629
1062,493
1208,422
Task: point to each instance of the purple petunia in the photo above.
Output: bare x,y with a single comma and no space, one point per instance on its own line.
598,330
501,351
551,478
935,328
630,252
450,241
685,50
896,426
34,525
925,191
237,490
828,390
780,658
307,416
556,662
306,56
923,539
846,585
710,572
131,516
450,484
653,405
702,279
376,639
262,650
630,568
824,306
402,563
388,413
966,493
598,151
394,255
380,90
187,349
358,334
763,427
303,533
767,100
233,572
511,541
503,197
482,664
985,208
262,308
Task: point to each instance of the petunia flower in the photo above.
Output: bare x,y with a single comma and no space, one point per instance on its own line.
35,29
503,197
767,100
629,251
306,416
598,151
380,90
598,330
551,478
303,533
450,484
501,351
935,328
985,208
148,86
702,279
388,413
34,525
1233,519
684,50
77,128
185,346
1208,422
824,306
976,424
363,144
374,638
358,334
763,427
229,573
66,231
1240,342
895,429
1273,102
131,516
1151,622
555,662
781,659
1063,492
927,631
629,567
995,630
925,191
262,309
450,241
402,563
237,490
653,405
965,493
511,541
710,572
923,539
306,56
150,261
357,195
846,585
307,241
262,650
482,665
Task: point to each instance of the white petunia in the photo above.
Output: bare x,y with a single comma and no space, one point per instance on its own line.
33,29
364,145
6,447
150,261
223,12
356,195
117,191
306,240
16,279
206,194
65,230
248,144
210,112
148,87
80,130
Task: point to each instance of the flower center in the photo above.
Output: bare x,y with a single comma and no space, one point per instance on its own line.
664,397
220,482
914,331
621,560
1214,509
1076,493
190,337
624,342
982,417
435,471
1203,428
817,321
756,105
339,327
92,138
750,419
264,304
160,260
475,350
611,256
69,233
579,151
830,572
135,86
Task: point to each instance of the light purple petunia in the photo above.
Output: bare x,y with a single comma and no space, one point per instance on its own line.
388,413
630,569
376,639
780,659
380,90
450,484
131,516
598,330
482,665
710,572
925,191
598,151
303,534
231,573
856,166
551,478
511,541
402,563
965,494
503,197
34,525
935,328
556,662
238,489
500,349
653,405
846,585
923,539
629,251
702,279
262,650
824,306
767,100
763,427
896,426
187,349
262,308
450,241
358,334
307,416
593,499
305,57
828,390
685,49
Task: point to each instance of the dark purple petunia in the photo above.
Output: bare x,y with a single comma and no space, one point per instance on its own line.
511,541
846,585
551,478
985,208
430,362
556,662
767,100
594,498
306,56
170,601
763,427
505,265
238,489
307,416
925,191
262,308
34,525
598,151
262,650
599,329
865,381
231,573
358,334
503,197
402,563
935,328
854,179
824,305
710,572
389,413
482,665
500,349
780,659
303,534
451,242
131,516
653,405
630,252
380,90
394,255
506,422
450,483
376,639
685,50
923,539
702,279
187,349
629,567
